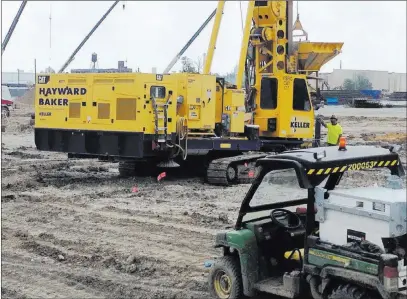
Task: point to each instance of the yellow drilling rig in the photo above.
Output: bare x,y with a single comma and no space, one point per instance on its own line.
191,120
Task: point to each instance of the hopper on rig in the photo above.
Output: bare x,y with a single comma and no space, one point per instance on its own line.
313,55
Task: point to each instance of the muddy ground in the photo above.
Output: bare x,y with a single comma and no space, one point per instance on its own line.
74,229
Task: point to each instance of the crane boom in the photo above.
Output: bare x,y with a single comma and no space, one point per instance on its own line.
214,37
191,40
245,43
13,26
86,38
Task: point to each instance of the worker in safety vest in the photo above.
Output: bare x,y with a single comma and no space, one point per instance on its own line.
334,131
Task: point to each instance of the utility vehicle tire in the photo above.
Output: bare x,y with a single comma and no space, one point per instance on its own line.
225,280
350,291
127,169
5,111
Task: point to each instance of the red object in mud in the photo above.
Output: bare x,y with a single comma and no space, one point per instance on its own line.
251,173
161,176
134,189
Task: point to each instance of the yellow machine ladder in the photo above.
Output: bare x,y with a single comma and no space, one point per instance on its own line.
160,120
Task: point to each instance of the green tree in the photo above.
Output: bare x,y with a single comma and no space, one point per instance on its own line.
48,70
363,82
188,65
348,84
359,83
232,76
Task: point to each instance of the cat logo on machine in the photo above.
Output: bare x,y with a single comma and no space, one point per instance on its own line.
159,77
299,124
43,79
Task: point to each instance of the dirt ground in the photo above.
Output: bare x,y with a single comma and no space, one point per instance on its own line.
74,229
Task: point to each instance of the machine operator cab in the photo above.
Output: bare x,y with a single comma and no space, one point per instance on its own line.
298,233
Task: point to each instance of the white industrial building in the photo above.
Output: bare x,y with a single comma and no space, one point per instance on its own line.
16,84
381,80
19,77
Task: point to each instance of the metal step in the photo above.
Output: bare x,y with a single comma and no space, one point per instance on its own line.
161,104
161,128
274,286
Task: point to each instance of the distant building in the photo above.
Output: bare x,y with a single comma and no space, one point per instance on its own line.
121,68
381,80
19,77
16,84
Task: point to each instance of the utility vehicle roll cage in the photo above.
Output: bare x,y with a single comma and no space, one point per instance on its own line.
312,166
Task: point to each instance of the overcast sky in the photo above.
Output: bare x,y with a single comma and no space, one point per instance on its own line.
149,33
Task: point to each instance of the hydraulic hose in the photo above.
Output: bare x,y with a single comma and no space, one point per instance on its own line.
182,133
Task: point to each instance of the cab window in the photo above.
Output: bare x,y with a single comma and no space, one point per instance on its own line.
157,92
268,93
301,101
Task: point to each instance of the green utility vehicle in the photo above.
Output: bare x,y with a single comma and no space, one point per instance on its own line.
299,234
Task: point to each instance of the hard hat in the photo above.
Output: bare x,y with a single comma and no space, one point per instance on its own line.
334,117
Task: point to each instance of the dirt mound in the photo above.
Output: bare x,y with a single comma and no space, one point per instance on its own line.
396,138
26,99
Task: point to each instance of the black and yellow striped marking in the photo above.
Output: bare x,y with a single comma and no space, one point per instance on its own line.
353,166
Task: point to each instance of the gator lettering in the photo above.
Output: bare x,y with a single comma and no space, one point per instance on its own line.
53,102
61,91
301,125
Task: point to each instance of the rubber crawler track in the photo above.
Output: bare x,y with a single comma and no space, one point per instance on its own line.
217,170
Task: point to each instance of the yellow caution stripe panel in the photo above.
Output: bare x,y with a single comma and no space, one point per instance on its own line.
353,167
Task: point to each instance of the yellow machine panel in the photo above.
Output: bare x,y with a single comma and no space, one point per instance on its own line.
201,101
233,106
284,107
123,102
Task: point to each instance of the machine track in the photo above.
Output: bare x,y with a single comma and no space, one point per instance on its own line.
233,170
136,168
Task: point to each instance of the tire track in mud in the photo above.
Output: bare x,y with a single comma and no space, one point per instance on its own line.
154,237
152,272
123,231
79,283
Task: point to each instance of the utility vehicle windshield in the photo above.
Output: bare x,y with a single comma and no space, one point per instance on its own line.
276,186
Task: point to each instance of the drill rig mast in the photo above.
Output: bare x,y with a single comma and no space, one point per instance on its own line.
275,69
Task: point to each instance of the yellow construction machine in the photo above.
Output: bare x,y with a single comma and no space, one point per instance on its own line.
191,120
